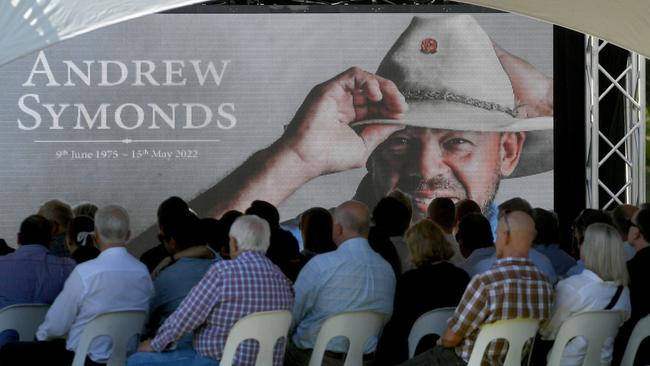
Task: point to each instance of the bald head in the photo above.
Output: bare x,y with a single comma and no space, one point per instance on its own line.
351,219
515,235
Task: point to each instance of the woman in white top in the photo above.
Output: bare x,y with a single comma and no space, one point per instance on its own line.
593,289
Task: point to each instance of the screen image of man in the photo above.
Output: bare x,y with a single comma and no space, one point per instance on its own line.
448,114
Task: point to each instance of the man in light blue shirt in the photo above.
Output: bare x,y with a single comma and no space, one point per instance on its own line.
351,278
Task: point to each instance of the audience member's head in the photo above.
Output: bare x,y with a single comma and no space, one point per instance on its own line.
112,227
587,217
443,212
427,244
602,252
474,232
316,231
80,233
35,229
249,233
464,207
210,230
58,213
265,211
406,200
547,226
170,209
351,220
85,209
639,232
515,234
621,217
515,204
223,238
391,216
182,233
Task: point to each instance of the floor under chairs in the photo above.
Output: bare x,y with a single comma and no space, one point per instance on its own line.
23,318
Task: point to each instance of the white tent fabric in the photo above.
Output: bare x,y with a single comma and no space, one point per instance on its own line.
29,25
625,23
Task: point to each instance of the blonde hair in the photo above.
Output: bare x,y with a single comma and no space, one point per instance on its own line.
426,243
603,253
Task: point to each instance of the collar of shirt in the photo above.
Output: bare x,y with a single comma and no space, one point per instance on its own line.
250,255
352,244
509,261
110,252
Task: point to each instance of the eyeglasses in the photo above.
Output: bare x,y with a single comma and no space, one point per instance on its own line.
505,219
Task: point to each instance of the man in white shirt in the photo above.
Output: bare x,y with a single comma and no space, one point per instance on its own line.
113,281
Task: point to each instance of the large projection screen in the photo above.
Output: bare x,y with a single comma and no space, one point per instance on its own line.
172,104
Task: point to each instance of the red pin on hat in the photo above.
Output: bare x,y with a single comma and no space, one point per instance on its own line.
429,45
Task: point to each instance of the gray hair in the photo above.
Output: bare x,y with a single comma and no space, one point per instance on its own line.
251,233
56,211
603,253
353,216
112,224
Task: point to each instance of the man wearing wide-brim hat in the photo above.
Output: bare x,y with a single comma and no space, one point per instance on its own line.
448,114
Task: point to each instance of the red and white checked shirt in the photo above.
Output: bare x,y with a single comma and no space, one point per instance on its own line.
512,288
230,290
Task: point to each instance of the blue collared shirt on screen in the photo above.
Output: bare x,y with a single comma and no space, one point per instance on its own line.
539,259
352,278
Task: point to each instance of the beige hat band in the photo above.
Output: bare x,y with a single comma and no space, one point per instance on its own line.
424,95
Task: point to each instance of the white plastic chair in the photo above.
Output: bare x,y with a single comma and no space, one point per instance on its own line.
432,322
356,326
596,326
640,332
119,325
516,331
265,327
23,318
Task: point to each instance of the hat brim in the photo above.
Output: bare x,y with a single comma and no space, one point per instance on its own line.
537,154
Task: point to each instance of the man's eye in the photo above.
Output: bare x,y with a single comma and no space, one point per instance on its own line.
455,142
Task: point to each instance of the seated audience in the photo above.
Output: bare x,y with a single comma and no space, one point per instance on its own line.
168,210
547,241
59,214
434,283
316,231
587,217
283,249
226,222
31,275
80,240
465,207
113,281
442,211
600,286
639,271
210,235
85,209
476,242
176,280
489,295
230,290
391,219
621,218
353,277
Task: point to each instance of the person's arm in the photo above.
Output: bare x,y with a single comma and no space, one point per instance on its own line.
305,293
319,140
190,314
566,300
201,251
450,339
64,310
469,315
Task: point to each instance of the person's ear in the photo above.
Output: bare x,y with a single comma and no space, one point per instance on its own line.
128,236
511,145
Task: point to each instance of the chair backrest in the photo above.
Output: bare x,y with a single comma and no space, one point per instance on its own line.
23,318
596,326
265,327
516,331
119,325
432,322
356,326
640,332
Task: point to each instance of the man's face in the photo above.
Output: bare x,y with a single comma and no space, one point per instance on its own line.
429,163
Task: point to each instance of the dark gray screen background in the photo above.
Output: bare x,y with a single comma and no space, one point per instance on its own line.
275,60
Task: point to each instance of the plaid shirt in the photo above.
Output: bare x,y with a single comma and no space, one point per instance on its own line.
512,288
229,291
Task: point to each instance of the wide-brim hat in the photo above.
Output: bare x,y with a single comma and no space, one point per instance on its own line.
452,79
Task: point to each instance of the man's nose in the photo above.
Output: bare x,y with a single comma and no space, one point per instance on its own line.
431,161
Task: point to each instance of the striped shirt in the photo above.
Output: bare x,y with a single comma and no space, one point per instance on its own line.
229,291
512,288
